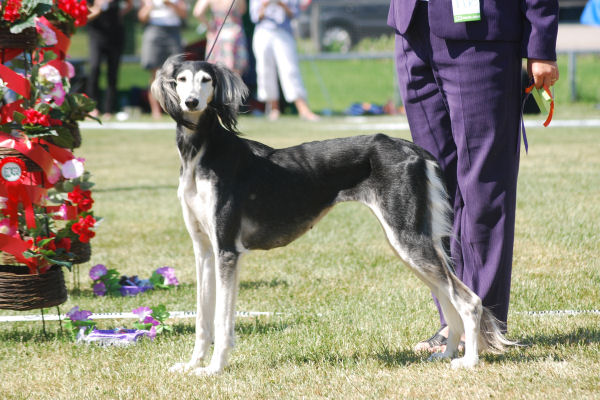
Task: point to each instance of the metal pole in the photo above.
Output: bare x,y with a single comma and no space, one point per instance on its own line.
315,26
572,74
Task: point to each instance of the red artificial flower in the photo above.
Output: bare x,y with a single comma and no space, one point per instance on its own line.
64,243
34,117
76,195
81,198
7,111
77,10
82,228
11,10
48,246
85,205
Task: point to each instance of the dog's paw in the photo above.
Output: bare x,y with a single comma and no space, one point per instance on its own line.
182,367
464,362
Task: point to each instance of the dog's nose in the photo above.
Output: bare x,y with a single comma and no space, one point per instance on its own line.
191,103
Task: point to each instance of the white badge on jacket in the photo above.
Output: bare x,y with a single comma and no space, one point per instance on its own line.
466,10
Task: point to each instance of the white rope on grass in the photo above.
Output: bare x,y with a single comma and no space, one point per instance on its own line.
127,315
245,314
557,312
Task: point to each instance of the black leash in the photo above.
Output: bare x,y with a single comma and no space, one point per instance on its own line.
219,31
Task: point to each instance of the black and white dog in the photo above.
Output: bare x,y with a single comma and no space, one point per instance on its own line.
238,195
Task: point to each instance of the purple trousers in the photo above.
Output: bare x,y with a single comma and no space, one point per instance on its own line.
462,99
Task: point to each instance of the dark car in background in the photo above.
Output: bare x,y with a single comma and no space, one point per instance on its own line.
346,22
570,10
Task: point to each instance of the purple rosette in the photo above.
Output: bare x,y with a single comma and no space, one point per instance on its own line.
99,289
115,337
169,274
98,271
129,290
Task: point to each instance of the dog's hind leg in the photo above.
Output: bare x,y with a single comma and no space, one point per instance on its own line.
226,275
419,242
462,309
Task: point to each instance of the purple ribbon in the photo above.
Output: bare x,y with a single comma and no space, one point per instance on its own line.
113,337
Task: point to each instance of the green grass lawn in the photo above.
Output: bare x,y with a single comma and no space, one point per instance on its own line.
351,312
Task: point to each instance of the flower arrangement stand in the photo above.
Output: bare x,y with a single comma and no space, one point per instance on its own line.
47,206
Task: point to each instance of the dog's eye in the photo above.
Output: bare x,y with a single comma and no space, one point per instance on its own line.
206,79
181,79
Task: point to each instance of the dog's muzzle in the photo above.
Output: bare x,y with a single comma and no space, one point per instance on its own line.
192,103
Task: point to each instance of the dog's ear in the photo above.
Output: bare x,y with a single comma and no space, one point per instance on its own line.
163,87
229,93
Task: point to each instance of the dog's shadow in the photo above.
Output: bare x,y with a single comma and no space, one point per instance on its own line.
544,346
398,358
258,284
580,336
245,327
386,357
530,349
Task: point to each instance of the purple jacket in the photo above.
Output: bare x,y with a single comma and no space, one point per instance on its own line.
534,23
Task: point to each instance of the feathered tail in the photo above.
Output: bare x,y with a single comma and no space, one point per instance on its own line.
491,338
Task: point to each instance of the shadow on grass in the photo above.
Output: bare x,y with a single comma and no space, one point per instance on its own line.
385,357
246,327
79,293
182,329
34,334
532,349
253,285
398,358
542,346
580,336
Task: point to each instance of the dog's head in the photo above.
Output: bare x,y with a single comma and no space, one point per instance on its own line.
187,89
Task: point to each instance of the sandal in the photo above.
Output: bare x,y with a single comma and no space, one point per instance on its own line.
436,341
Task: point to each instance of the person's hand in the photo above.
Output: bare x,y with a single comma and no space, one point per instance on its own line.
285,7
543,72
263,7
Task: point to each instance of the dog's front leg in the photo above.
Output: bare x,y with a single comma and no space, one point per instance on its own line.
226,295
205,295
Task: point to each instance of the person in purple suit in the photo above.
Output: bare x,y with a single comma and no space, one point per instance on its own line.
460,83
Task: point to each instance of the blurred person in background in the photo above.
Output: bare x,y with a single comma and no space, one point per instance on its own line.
161,39
231,46
106,34
274,48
